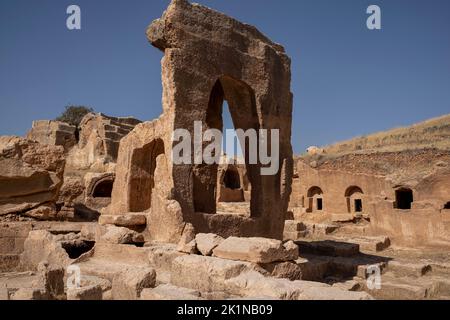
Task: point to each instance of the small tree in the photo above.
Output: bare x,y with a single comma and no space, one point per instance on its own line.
74,114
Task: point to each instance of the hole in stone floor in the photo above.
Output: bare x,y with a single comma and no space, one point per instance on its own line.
76,248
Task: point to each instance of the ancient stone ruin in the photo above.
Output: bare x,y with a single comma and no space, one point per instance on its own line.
102,212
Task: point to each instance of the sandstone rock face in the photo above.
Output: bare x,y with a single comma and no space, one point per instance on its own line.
51,278
189,248
253,284
53,133
127,220
25,294
206,243
196,82
71,190
105,284
88,293
161,256
99,138
169,292
41,246
30,174
257,250
205,273
143,181
187,243
129,284
285,270
191,32
165,220
367,186
119,235
12,238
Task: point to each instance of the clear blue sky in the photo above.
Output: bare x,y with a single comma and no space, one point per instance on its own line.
346,79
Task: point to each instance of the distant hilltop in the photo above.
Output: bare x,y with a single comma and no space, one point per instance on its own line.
430,134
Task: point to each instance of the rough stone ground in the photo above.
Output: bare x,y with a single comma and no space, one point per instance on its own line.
330,266
159,271
339,254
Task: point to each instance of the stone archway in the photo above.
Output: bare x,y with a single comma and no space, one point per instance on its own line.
315,199
354,197
103,189
241,102
201,69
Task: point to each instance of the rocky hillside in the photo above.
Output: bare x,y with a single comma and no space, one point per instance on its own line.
430,134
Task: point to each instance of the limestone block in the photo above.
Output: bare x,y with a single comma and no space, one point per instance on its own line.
126,220
51,278
42,246
92,292
31,174
28,294
205,273
257,250
206,243
286,270
129,284
170,292
119,235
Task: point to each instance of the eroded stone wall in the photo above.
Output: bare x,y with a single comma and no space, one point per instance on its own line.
378,193
198,75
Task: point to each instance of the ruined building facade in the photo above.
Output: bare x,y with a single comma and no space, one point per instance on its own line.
206,63
404,195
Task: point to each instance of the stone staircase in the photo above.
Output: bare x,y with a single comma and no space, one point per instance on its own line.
412,281
346,261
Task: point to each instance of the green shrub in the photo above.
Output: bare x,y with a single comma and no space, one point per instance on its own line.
74,114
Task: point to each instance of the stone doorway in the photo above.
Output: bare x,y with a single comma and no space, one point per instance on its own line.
404,198
142,175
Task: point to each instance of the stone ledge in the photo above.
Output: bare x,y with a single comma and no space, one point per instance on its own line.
125,220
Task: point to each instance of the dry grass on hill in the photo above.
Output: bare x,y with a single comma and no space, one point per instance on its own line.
430,134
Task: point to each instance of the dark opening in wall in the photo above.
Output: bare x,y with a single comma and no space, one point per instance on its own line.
447,206
77,134
77,248
103,189
358,205
232,180
319,204
315,199
241,102
404,199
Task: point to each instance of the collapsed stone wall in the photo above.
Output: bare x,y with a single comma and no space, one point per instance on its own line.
53,133
45,176
98,142
31,176
91,165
